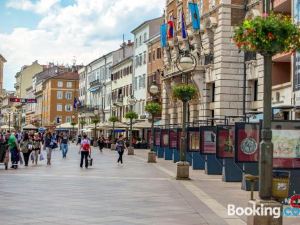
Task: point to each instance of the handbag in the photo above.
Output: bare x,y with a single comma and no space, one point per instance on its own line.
41,157
32,157
90,161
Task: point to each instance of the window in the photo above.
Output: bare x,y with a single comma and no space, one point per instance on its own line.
136,61
158,53
68,95
68,119
58,119
60,84
213,92
255,90
149,57
140,40
69,84
142,80
59,107
153,54
68,108
145,37
140,59
135,84
136,43
144,57
59,95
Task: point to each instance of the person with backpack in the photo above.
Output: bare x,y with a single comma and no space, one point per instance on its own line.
50,144
26,146
64,142
85,150
120,148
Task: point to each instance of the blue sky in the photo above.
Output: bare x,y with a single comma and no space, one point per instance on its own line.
59,30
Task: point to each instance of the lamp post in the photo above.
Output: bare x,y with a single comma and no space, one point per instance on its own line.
95,121
185,62
131,102
153,90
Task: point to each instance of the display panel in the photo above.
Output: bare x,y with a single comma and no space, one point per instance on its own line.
157,137
164,138
247,138
208,140
193,139
225,141
286,141
173,138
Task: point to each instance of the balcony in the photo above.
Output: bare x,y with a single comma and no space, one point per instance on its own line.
208,59
282,6
281,69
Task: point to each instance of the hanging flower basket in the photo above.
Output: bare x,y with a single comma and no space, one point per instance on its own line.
268,35
184,92
153,108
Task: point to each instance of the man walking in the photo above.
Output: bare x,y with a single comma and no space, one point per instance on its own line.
64,144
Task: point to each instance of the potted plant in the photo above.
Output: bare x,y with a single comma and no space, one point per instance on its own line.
268,35
153,108
131,115
113,119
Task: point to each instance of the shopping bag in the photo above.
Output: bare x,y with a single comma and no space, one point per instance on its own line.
90,161
21,159
41,157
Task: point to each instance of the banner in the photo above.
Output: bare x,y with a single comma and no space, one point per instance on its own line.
195,15
286,141
193,139
247,139
225,141
163,35
208,140
164,138
173,138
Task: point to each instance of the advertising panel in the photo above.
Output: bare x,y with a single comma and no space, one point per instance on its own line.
208,140
225,141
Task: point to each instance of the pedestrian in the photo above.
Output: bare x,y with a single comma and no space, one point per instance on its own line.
14,150
26,146
78,139
50,144
37,146
101,143
85,150
120,148
64,141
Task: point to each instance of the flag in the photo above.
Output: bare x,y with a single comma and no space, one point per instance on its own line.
183,28
163,35
76,103
195,15
170,29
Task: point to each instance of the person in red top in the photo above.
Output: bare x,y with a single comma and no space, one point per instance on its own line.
85,150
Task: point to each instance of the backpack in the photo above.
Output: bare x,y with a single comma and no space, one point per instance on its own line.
86,145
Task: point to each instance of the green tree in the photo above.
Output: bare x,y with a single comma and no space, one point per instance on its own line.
113,119
131,115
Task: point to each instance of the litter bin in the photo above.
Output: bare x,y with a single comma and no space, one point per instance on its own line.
281,183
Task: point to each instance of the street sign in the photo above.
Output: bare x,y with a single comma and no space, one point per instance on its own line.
23,100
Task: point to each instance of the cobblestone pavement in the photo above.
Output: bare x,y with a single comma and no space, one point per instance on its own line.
107,193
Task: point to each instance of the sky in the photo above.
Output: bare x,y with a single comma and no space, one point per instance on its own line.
61,31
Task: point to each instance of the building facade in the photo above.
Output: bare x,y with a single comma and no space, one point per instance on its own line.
122,87
2,61
58,99
142,33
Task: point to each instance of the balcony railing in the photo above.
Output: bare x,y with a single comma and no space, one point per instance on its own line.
95,83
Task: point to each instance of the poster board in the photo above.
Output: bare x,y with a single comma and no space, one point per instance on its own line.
164,142
247,139
225,141
173,133
193,139
208,140
286,142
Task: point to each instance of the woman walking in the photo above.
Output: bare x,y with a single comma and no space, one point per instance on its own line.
120,147
37,146
85,150
26,147
14,150
101,143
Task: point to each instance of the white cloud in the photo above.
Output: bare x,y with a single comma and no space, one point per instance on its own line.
85,29
40,7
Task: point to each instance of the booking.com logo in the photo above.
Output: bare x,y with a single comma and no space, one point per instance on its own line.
290,210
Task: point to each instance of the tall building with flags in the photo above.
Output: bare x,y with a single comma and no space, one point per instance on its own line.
142,34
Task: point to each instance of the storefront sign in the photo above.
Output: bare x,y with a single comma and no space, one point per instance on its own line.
286,141
208,140
247,140
225,141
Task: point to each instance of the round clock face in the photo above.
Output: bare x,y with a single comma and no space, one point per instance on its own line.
249,146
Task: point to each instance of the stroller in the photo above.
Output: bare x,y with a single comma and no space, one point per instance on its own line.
4,155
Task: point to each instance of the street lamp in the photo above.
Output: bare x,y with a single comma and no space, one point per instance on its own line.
131,101
185,62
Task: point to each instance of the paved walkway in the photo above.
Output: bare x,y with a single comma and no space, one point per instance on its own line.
112,194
